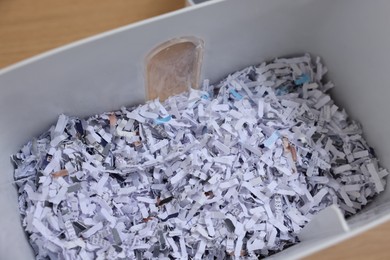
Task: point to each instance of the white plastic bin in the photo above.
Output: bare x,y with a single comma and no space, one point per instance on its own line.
194,2
106,71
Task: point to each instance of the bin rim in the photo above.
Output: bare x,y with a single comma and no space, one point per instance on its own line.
104,34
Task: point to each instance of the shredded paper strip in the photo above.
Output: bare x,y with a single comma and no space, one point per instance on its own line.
228,171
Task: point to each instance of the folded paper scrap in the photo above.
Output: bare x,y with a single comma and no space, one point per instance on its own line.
231,170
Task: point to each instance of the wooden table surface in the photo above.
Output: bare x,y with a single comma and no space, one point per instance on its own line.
29,27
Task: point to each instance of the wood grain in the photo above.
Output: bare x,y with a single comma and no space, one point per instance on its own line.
372,244
29,27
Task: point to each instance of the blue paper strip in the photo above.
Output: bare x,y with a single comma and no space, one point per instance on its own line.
163,120
235,94
270,141
302,79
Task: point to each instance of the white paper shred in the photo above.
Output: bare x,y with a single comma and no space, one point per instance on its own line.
236,169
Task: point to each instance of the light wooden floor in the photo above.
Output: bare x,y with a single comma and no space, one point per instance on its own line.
29,27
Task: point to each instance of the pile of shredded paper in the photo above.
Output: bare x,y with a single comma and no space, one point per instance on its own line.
231,170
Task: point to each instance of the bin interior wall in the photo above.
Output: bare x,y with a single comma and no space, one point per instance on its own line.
107,72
